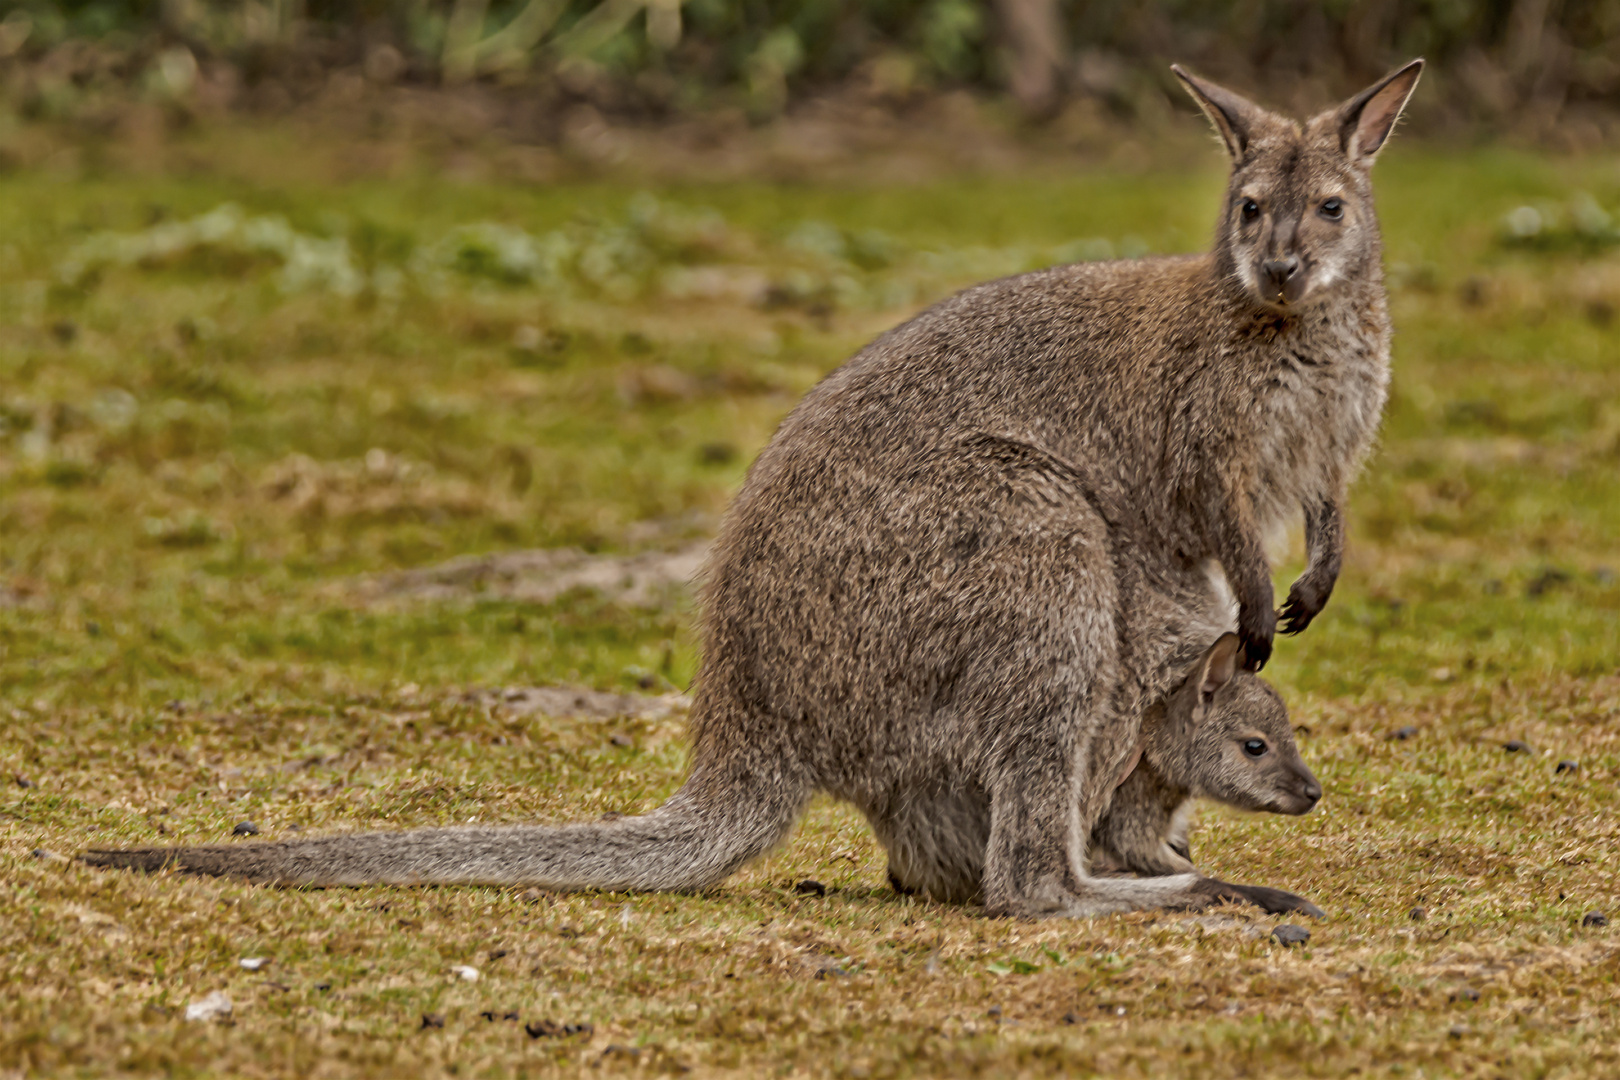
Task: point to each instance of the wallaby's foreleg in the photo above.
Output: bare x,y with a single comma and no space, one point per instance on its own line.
1243,556
1324,552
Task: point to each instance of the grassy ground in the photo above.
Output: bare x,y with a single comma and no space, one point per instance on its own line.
210,433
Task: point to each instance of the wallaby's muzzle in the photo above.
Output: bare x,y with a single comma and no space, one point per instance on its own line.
1283,280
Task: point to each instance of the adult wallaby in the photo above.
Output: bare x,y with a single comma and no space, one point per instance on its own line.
918,601
1242,755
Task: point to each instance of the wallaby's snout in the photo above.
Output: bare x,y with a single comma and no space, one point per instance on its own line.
1282,279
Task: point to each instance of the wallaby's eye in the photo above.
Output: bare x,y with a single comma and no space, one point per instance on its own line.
1251,210
1332,209
1255,747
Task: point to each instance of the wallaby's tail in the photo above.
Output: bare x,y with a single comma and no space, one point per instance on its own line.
706,830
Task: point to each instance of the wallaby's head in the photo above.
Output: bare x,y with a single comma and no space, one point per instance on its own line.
1299,213
1224,734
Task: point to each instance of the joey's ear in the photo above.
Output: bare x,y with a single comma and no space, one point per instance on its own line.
1218,667
1235,117
1366,120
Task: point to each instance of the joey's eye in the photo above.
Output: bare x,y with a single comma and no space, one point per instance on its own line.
1251,209
1332,209
1255,747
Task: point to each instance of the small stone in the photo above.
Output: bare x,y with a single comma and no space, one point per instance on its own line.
432,1020
1464,993
245,828
632,1052
1457,1031
24,782
621,739
1567,766
994,1012
1517,746
828,971
1290,934
253,963
1594,918
1417,914
215,1006
586,1029
810,887
465,972
496,954
542,1029
1071,1018
1402,734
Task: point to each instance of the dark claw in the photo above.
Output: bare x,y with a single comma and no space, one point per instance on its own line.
1294,618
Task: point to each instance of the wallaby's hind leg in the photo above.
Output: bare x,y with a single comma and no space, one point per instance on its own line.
936,844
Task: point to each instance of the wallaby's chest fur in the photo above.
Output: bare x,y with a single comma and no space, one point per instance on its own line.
1149,376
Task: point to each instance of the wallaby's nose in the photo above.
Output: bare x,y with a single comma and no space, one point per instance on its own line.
1278,271
1312,789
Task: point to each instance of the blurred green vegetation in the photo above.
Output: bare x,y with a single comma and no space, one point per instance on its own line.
1494,62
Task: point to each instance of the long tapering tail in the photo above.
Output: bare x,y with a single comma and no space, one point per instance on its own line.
707,830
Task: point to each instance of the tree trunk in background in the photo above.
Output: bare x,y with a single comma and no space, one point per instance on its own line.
1038,51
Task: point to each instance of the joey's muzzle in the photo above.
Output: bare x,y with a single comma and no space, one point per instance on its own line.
1301,795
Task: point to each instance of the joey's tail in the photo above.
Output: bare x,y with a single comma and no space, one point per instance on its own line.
716,822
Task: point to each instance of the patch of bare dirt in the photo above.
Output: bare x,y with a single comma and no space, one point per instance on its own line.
539,576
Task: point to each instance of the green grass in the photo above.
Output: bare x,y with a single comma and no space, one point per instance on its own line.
197,464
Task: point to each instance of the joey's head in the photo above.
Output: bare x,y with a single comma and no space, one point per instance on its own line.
1298,219
1225,735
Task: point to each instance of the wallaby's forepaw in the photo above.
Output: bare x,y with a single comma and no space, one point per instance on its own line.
1271,901
1305,602
1256,629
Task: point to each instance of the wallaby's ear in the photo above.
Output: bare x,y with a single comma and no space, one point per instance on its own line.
1234,116
1220,664
1366,120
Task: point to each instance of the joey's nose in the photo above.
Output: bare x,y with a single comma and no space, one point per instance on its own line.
1278,272
1312,790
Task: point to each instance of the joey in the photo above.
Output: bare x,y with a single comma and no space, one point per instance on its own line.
1218,736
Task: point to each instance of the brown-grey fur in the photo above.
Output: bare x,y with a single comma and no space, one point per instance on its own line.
922,598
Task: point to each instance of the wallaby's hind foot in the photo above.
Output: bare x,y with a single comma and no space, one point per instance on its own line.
1180,892
1271,901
